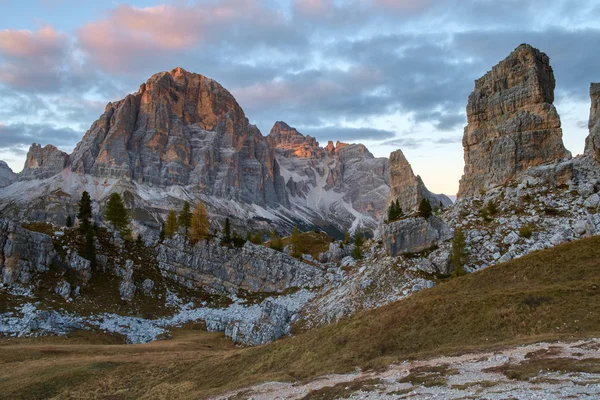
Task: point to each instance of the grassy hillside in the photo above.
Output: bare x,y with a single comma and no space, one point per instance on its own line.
553,294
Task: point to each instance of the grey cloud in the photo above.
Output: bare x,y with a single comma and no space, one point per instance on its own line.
25,134
448,140
408,143
334,133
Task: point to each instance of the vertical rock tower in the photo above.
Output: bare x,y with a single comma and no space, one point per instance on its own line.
512,123
592,142
408,188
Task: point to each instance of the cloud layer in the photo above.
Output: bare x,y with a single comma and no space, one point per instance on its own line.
394,72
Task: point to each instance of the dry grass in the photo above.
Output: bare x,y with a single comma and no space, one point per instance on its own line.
553,294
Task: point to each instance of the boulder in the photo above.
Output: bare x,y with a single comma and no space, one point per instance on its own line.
222,269
413,235
23,252
63,289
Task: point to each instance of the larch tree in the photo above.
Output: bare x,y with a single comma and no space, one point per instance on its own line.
171,225
199,225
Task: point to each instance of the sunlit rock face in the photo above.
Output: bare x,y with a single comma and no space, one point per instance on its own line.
512,123
291,143
592,142
182,128
43,162
408,188
7,176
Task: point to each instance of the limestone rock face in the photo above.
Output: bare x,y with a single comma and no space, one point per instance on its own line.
592,142
413,235
408,188
342,183
43,162
182,128
292,143
7,176
255,268
23,253
512,123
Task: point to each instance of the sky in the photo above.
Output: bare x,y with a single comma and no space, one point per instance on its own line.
386,73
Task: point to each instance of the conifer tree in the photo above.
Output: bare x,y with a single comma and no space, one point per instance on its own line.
69,221
117,214
425,209
227,232
162,232
391,212
199,225
185,217
171,225
459,256
358,242
85,212
399,211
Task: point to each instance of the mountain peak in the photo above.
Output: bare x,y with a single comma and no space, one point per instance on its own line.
293,143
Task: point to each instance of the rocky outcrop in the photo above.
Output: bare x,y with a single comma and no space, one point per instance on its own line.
23,253
182,128
592,142
512,123
43,162
408,188
212,266
413,235
7,176
540,209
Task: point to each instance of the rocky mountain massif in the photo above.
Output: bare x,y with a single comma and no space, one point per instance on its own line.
521,192
182,136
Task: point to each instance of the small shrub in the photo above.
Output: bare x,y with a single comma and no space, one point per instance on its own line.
485,214
526,231
237,240
551,211
257,238
492,208
276,243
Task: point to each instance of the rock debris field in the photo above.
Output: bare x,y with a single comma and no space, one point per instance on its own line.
538,371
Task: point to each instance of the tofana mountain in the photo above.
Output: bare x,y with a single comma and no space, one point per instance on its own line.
183,137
